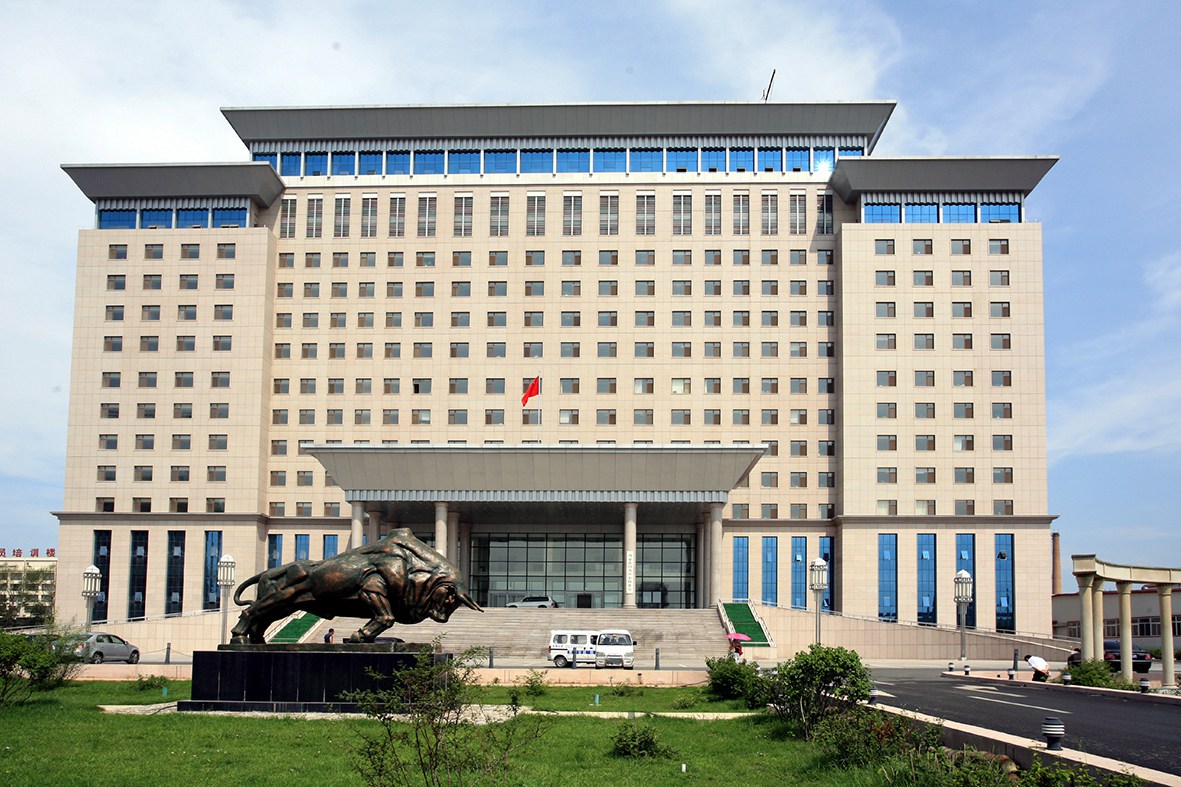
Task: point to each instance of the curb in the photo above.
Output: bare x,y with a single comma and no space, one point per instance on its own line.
1130,696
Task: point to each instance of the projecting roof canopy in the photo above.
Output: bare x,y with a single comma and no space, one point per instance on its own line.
1118,572
856,176
536,473
559,120
255,180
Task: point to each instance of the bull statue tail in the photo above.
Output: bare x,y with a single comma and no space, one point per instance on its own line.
238,593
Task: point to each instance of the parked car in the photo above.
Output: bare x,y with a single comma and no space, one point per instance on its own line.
99,647
538,602
615,648
1141,659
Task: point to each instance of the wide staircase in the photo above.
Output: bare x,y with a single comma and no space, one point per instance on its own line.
519,637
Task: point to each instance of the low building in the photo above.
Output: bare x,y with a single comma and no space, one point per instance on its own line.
27,586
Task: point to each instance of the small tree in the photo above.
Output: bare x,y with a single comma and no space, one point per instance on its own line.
816,682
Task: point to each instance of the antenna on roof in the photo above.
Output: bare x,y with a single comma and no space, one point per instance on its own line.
767,92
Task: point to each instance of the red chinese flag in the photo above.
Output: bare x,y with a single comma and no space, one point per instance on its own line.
533,390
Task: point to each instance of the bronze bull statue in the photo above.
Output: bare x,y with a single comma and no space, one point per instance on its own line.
397,579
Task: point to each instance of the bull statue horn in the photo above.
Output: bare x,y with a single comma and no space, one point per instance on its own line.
470,602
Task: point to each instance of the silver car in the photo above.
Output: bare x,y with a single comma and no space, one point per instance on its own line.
539,602
99,647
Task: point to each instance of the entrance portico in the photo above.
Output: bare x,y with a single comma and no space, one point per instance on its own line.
601,525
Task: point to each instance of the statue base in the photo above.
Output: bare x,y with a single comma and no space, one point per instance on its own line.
293,678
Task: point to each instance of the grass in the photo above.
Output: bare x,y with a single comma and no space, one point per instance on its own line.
61,737
619,697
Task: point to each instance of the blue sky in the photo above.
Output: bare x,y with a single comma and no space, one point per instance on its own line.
1094,83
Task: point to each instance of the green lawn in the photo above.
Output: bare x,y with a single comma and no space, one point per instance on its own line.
62,738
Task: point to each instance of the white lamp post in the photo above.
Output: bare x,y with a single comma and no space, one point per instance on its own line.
92,582
225,581
963,597
818,581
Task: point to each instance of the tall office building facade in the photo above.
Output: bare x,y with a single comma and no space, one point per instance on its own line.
757,344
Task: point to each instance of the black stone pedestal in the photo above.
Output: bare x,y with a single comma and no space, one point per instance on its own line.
292,678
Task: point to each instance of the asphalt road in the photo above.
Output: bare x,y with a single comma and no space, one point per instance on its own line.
1142,733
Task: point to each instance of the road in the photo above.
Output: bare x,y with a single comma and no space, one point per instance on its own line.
1142,733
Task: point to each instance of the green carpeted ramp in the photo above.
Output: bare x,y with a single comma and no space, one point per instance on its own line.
744,621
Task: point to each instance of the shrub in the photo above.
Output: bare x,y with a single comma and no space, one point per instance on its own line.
686,701
815,683
533,684
626,690
866,736
150,682
730,680
35,663
1097,673
1060,774
633,740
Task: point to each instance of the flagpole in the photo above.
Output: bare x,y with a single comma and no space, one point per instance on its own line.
539,409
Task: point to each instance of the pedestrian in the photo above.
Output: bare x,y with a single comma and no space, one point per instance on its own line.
1041,669
735,650
329,636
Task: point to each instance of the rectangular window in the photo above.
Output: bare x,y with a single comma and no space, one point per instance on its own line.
742,214
887,575
427,215
341,215
741,574
608,214
397,227
535,215
824,222
572,215
770,570
211,595
682,214
645,214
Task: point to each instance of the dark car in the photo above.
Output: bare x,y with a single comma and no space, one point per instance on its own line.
1141,659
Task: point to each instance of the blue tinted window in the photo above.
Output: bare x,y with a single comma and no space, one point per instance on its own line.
301,546
229,217
955,213
888,577
741,568
537,161
344,162
274,550
610,161
965,560
799,572
428,162
463,162
502,161
883,214
270,158
573,161
926,578
851,152
291,163
797,160
646,160
917,213
1008,211
116,219
713,159
370,163
102,559
330,546
682,160
212,595
315,164
823,160
156,218
770,570
192,217
826,554
742,160
1006,612
770,160
397,162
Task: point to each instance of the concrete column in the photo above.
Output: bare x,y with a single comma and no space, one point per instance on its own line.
716,591
1097,616
1125,629
629,555
465,552
699,580
1165,592
452,536
1086,618
373,528
356,524
441,528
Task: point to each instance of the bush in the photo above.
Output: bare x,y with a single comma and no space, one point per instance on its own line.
686,701
1097,673
731,680
866,736
1060,774
150,682
626,690
632,740
815,683
35,663
533,684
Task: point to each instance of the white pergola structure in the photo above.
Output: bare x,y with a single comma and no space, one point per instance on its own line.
1092,574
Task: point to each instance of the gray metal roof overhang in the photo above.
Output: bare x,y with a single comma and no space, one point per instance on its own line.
255,180
666,119
537,473
856,176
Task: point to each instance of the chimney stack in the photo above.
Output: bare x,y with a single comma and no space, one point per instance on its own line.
1055,564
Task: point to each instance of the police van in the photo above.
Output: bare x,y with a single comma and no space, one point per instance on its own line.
571,647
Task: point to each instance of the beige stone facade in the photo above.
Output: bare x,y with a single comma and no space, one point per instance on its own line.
658,307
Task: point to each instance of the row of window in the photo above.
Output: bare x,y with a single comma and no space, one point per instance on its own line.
608,258
534,289
771,511
549,160
151,344
640,349
959,341
180,379
179,473
569,319
941,213
566,417
926,309
184,313
566,385
188,251
185,281
147,442
682,216
176,505
926,475
923,410
959,246
959,278
167,218
965,507
147,410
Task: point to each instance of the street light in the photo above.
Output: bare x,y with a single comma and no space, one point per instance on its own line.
818,581
963,597
225,581
92,580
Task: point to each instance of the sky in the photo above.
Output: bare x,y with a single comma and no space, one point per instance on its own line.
122,82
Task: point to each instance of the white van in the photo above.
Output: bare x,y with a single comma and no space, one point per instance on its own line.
615,648
566,647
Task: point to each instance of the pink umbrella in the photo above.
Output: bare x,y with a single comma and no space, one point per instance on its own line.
737,636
